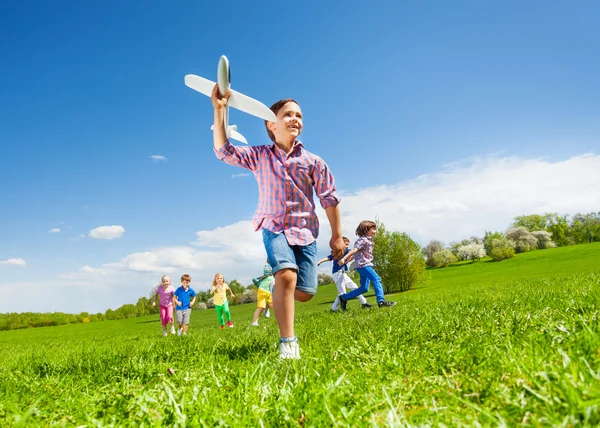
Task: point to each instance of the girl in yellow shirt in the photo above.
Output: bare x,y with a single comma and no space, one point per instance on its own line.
219,290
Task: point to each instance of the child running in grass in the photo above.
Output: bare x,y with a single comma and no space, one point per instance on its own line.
286,174
165,290
363,263
219,290
184,299
341,278
264,300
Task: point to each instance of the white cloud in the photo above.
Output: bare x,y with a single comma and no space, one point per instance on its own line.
240,175
107,232
55,230
479,194
14,262
158,158
461,200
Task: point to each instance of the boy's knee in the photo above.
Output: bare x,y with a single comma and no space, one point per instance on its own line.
302,297
286,278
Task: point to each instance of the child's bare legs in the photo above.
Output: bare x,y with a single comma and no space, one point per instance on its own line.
284,295
257,313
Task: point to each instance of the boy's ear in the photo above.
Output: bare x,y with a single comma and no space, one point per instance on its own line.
271,126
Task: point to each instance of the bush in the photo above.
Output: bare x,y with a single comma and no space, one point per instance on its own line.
324,278
443,258
502,248
201,305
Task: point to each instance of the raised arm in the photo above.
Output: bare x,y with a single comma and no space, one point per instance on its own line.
219,104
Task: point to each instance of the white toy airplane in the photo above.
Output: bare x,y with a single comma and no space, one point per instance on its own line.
236,99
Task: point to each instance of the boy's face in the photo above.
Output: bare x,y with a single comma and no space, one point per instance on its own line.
185,283
347,243
289,123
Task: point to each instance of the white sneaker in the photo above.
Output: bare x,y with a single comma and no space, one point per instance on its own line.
336,304
289,350
172,330
255,324
179,332
267,313
184,333
165,333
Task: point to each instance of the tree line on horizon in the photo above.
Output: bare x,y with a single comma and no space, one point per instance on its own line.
400,261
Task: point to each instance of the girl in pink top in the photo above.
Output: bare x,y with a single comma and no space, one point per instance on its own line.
165,290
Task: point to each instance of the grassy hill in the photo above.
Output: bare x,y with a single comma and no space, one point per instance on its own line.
493,343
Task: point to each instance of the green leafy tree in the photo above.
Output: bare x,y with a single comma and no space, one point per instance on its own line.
398,260
236,288
530,222
558,226
586,227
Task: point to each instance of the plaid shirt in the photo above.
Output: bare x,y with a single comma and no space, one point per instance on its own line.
285,183
364,255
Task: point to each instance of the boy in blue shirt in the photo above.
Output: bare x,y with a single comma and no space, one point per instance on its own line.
184,299
342,280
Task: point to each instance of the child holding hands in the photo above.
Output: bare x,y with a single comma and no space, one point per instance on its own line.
363,264
286,174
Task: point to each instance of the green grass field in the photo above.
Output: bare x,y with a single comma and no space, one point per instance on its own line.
511,343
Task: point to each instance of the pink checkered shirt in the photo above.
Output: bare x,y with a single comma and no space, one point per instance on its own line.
285,183
364,256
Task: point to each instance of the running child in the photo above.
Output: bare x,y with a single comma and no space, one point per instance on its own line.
184,299
219,290
165,290
363,264
264,299
341,278
286,174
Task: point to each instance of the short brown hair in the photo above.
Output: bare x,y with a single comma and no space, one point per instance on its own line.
186,277
345,239
275,109
365,226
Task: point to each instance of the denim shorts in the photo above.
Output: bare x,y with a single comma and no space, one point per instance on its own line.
301,258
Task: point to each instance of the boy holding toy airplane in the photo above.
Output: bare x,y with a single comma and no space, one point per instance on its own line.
286,174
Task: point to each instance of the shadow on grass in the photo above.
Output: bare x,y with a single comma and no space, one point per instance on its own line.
243,352
146,322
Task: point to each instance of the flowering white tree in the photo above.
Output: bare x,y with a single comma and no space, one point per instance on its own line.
544,239
524,240
473,251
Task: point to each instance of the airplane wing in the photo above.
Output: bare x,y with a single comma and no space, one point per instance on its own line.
200,84
246,104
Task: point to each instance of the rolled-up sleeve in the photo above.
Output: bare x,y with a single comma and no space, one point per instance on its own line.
246,157
325,185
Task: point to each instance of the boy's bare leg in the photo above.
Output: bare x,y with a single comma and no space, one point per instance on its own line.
284,295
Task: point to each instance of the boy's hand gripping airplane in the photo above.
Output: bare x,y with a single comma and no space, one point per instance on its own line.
236,99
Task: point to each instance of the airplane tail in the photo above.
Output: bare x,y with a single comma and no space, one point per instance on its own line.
232,133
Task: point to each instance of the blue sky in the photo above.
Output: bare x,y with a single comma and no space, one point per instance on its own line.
443,119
